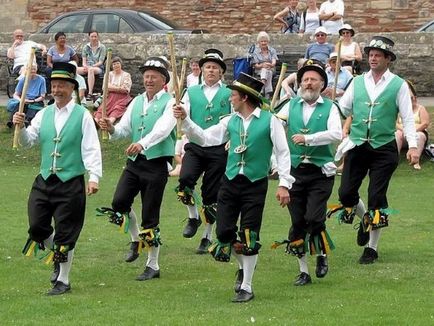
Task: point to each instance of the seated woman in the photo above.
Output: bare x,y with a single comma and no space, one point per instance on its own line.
289,84
60,52
93,57
118,96
264,62
34,98
421,120
351,56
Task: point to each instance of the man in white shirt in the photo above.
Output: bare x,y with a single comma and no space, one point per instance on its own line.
331,13
20,51
374,101
69,147
253,134
313,127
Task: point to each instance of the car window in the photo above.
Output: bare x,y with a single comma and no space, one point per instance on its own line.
110,23
429,28
155,23
124,27
70,24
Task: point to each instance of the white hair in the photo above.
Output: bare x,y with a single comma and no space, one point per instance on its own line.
263,36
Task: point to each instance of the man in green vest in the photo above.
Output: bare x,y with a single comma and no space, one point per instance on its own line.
205,104
374,101
150,123
253,135
69,147
313,126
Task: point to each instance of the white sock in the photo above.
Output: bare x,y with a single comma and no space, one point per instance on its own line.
302,262
374,236
152,261
192,212
48,243
65,268
249,264
133,228
360,209
207,231
238,257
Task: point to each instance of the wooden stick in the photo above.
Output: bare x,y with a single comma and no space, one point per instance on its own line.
338,68
108,64
278,86
175,80
183,73
23,96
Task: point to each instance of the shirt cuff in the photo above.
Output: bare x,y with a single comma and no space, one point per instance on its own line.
93,178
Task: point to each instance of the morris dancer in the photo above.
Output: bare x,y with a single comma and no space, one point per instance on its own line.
149,121
253,134
69,148
205,104
374,101
313,125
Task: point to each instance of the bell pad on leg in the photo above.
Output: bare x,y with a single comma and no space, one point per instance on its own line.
296,248
209,213
151,237
185,196
220,251
250,245
344,214
113,216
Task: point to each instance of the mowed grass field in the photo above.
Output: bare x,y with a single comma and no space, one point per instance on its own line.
196,290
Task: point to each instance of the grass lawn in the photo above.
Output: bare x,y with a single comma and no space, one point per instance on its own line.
196,290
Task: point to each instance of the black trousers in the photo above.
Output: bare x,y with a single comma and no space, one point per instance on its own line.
63,201
211,161
149,177
308,201
380,163
240,196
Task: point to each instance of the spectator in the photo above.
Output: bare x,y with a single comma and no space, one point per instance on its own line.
118,97
60,52
310,18
344,78
193,77
34,99
421,120
351,55
82,88
179,153
264,62
320,50
289,17
93,57
331,13
289,84
20,51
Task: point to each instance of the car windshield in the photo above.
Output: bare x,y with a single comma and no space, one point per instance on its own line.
159,23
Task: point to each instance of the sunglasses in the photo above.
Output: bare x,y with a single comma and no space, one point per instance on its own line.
19,35
346,32
320,35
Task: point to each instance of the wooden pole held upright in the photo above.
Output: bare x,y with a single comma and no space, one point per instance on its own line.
108,64
175,80
338,69
278,86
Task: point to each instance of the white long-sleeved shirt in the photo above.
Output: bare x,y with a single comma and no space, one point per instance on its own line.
403,101
218,134
162,128
90,146
332,134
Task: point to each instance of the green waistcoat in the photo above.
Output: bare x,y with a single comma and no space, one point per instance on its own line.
374,122
65,147
256,158
142,124
318,155
206,114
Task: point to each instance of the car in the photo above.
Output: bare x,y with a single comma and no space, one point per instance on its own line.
112,21
428,27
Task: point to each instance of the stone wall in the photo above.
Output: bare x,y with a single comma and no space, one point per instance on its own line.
414,51
244,16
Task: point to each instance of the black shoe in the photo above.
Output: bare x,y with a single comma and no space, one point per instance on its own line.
322,266
238,280
369,256
55,273
362,236
191,227
59,288
133,254
148,274
303,279
243,296
203,247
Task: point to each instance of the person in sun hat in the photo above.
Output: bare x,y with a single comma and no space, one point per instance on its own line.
149,121
351,55
313,126
205,104
344,78
69,147
374,101
252,134
321,49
